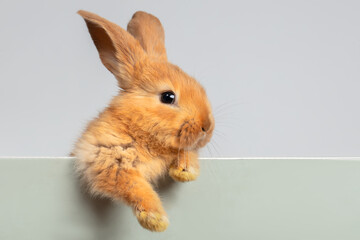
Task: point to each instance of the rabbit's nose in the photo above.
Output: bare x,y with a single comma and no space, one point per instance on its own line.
206,125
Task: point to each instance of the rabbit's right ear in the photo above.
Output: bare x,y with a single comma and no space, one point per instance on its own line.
147,29
119,51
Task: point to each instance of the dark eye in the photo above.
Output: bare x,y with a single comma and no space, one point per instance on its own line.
167,97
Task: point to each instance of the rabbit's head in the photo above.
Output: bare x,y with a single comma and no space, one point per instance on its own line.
156,96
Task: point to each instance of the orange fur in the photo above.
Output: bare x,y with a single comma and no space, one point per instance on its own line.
137,138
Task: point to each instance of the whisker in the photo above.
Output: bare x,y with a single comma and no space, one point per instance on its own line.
212,146
218,133
208,148
225,105
228,125
225,108
216,146
226,116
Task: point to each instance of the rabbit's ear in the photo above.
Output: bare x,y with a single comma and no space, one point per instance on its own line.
119,51
147,29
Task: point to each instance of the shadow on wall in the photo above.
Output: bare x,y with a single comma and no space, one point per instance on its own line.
104,211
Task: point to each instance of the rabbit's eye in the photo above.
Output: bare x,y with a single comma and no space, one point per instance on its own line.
167,97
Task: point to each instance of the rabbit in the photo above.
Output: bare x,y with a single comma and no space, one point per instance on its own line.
154,126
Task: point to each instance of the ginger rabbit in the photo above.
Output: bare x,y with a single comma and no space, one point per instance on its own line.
154,126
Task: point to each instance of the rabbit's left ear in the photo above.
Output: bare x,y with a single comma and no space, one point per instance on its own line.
119,51
147,29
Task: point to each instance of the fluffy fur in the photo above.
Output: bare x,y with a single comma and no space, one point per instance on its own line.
137,138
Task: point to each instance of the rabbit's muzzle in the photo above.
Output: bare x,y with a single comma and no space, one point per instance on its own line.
193,135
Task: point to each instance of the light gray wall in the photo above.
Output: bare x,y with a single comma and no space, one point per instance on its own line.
283,76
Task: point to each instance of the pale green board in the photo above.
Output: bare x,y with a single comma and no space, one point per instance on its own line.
250,199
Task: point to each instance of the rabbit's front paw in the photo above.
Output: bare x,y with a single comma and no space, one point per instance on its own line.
152,221
183,175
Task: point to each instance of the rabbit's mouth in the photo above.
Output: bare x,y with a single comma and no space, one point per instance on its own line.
191,136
